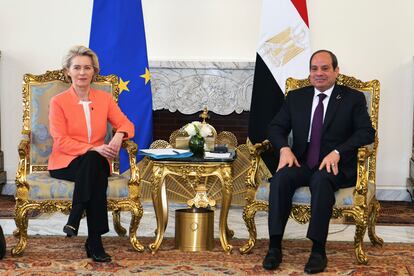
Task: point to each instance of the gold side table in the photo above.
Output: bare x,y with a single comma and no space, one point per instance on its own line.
191,169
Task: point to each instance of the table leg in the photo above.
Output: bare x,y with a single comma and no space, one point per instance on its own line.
227,192
159,200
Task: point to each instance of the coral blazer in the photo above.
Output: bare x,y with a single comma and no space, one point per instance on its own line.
67,123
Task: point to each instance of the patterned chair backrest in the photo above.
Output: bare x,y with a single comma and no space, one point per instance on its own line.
37,92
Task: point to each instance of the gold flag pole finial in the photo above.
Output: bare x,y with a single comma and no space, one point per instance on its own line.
204,115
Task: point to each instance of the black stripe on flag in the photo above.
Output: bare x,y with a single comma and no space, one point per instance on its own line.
267,99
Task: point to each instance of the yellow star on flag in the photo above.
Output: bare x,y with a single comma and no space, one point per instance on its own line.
146,76
123,85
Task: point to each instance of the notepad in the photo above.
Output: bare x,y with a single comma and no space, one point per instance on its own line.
217,155
166,153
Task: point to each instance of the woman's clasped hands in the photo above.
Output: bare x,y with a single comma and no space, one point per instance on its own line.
111,150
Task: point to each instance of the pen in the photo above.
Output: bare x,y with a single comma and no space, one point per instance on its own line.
175,151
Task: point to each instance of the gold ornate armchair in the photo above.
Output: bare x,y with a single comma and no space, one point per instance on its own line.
36,190
358,203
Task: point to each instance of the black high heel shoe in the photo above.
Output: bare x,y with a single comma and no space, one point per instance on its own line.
71,228
101,257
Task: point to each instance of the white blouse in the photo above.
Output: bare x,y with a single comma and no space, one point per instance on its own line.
87,112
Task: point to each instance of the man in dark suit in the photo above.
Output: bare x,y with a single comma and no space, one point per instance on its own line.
328,124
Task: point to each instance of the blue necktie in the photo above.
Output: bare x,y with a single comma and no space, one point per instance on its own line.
314,147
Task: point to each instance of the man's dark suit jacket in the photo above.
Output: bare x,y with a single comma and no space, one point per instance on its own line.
347,126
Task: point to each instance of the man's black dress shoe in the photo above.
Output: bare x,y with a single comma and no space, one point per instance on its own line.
101,257
70,230
273,259
316,263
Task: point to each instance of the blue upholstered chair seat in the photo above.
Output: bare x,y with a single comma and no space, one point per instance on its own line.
344,197
42,186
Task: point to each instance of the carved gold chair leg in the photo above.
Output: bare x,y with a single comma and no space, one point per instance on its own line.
116,215
360,229
249,213
229,232
21,219
16,233
136,215
372,220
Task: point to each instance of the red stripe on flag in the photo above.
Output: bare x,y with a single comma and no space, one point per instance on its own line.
301,7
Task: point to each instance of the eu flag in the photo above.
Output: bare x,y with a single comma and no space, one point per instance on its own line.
118,38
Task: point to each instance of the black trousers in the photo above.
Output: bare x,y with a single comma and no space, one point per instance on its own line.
322,185
90,173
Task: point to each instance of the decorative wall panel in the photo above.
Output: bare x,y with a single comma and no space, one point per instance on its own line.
189,86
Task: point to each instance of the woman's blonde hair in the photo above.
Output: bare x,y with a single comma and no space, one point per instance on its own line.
80,50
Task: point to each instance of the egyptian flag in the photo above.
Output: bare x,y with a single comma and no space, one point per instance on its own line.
283,51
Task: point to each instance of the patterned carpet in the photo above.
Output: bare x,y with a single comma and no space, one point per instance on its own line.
6,206
62,256
396,212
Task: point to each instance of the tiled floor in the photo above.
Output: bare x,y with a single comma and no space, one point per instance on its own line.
52,225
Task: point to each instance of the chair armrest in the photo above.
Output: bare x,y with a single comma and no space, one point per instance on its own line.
255,155
135,179
257,149
361,189
365,152
22,187
23,166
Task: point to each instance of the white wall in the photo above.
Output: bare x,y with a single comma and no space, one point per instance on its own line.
375,39
372,39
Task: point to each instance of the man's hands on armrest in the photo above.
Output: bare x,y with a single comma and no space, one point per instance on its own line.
287,158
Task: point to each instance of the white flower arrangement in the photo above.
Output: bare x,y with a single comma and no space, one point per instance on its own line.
198,129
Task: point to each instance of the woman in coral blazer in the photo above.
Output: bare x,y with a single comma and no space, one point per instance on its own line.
78,124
